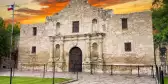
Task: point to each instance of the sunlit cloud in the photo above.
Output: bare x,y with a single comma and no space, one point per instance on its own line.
129,7
42,8
106,3
30,11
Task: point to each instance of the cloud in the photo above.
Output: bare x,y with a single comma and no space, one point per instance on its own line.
18,18
30,11
27,15
105,3
48,2
22,16
53,6
44,1
57,5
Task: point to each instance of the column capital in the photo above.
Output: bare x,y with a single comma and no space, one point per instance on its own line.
101,41
63,38
100,35
87,36
88,39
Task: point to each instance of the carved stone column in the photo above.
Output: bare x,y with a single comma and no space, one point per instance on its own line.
50,65
88,49
61,49
51,53
60,61
62,58
100,48
87,60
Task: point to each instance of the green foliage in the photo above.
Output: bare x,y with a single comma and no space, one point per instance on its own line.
166,80
155,2
4,42
16,32
2,23
160,23
16,29
31,80
5,37
165,1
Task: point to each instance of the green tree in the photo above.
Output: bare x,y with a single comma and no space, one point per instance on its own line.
2,23
16,33
160,23
5,37
16,29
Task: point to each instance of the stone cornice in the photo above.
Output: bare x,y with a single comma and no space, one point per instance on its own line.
82,35
79,36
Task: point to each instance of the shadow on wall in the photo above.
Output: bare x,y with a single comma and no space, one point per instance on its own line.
5,61
0,62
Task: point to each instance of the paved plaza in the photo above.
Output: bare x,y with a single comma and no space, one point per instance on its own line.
115,79
86,78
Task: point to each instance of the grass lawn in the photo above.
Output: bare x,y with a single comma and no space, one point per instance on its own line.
166,80
30,80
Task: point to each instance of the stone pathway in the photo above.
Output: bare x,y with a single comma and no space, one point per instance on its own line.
115,79
86,78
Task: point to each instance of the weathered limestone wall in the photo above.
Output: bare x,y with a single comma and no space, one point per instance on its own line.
78,11
107,34
27,40
139,33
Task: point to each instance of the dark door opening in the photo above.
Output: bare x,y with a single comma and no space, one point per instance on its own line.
75,60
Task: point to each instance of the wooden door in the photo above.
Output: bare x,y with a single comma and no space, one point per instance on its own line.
75,60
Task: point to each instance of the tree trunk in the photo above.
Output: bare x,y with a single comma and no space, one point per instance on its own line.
155,55
0,62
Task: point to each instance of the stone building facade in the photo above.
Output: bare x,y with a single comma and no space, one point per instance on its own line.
85,34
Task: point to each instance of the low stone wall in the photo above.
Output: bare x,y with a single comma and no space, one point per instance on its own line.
120,69
32,67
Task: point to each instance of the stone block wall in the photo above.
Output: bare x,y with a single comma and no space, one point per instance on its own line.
139,33
27,40
107,33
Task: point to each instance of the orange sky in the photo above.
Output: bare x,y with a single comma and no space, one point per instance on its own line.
35,11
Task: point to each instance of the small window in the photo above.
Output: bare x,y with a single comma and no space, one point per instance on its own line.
75,27
128,46
58,25
34,31
94,21
34,49
124,23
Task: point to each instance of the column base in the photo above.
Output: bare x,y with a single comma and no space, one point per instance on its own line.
97,66
87,60
49,66
86,65
100,66
60,66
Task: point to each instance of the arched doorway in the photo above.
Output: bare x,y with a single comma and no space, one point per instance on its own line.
75,60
